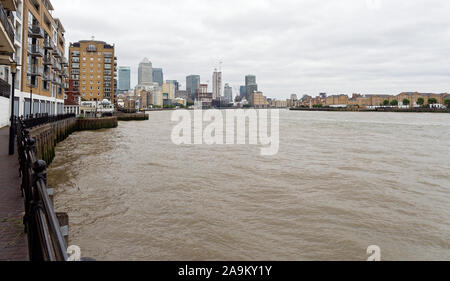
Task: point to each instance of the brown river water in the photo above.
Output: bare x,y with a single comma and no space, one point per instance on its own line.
341,181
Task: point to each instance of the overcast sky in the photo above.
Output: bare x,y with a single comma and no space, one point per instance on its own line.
292,46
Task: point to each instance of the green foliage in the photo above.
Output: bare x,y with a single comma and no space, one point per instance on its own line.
394,103
386,102
406,102
318,106
432,101
447,102
421,101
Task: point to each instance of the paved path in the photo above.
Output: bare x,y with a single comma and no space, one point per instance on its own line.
13,241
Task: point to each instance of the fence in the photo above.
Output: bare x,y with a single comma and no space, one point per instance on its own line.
45,239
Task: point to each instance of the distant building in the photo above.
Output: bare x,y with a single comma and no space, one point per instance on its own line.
97,55
175,82
192,85
250,86
124,79
203,96
242,91
228,93
158,76
259,100
217,84
145,76
183,95
168,92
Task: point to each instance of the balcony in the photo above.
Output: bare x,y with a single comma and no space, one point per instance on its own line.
57,54
48,44
34,70
76,65
36,32
47,76
35,50
56,79
48,60
75,53
57,66
64,62
6,36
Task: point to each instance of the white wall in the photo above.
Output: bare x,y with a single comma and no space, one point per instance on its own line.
4,112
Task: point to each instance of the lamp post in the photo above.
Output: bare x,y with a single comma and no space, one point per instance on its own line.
11,128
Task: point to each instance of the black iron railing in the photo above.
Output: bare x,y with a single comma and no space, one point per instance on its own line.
35,120
45,239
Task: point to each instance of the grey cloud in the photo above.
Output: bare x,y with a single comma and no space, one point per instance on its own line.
304,46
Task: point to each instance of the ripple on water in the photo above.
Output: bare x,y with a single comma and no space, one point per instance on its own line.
341,182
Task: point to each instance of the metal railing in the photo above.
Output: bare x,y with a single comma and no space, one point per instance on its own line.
6,24
34,120
45,239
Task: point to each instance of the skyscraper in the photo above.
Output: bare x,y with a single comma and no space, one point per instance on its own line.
175,82
242,91
158,76
192,85
217,84
124,79
228,93
145,72
250,86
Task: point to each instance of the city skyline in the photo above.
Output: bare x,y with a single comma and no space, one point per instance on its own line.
296,47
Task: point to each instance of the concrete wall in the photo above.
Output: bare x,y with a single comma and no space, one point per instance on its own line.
48,135
4,112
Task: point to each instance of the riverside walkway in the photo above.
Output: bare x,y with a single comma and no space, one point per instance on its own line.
13,240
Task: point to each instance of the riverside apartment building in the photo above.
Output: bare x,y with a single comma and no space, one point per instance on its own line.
8,10
44,66
36,56
93,70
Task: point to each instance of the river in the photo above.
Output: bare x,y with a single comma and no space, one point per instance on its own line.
341,181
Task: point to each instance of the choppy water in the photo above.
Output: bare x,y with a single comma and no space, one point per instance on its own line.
341,182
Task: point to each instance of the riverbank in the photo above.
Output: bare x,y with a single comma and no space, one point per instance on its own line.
400,110
131,116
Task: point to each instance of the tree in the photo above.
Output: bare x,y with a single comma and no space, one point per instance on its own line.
386,102
447,102
394,103
406,102
420,101
432,101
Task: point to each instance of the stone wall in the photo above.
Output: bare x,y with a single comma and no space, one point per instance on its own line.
84,124
48,135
